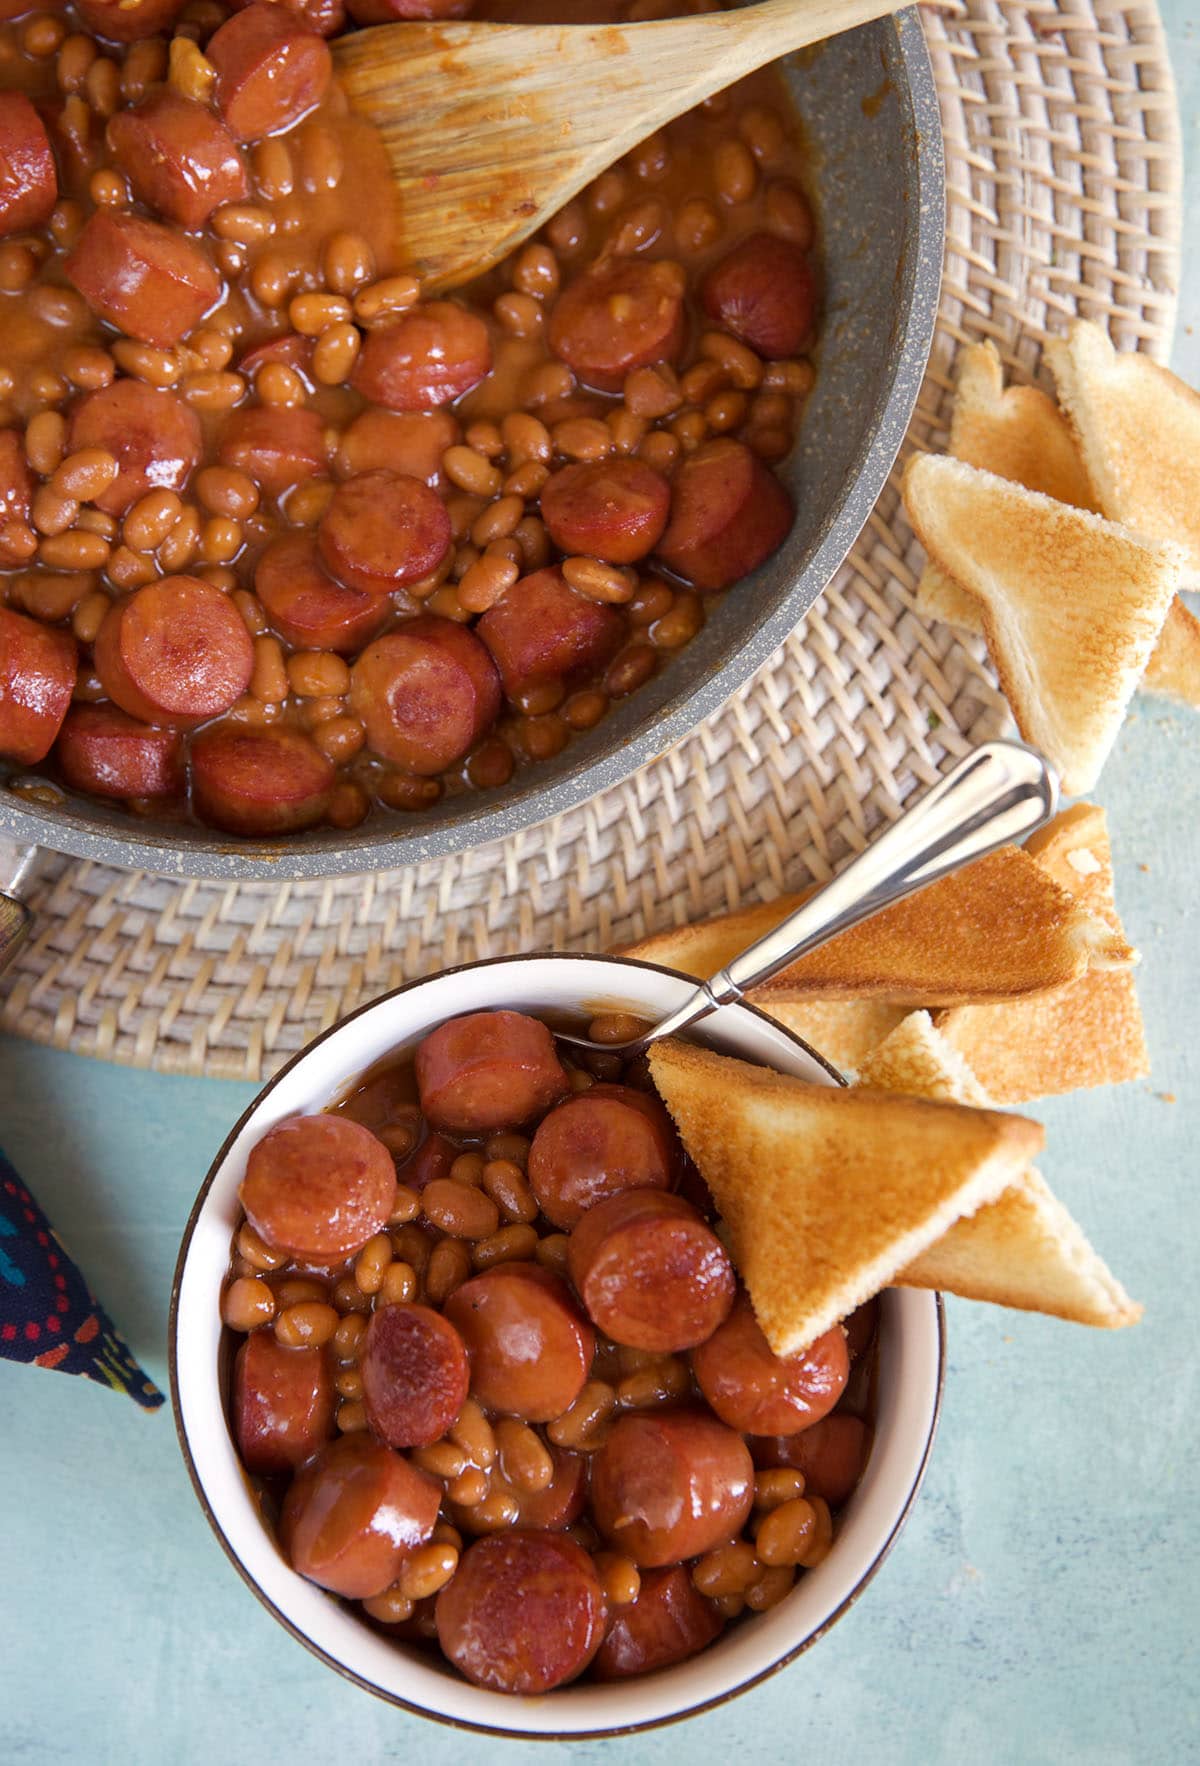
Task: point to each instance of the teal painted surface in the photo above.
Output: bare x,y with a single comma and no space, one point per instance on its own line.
1041,1606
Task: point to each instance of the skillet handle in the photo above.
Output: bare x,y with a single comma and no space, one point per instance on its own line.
15,921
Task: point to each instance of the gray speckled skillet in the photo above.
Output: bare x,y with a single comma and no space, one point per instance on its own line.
871,116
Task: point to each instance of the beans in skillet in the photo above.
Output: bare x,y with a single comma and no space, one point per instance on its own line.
283,543
498,1383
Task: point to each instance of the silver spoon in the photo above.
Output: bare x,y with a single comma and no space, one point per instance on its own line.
998,794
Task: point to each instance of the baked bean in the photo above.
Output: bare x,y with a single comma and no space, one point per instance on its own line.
347,1296
426,1570
525,1460
740,363
702,381
471,472
371,1263
505,1183
313,673
458,1209
351,1416
581,1427
45,441
246,1303
18,266
679,624
472,1431
730,1569
89,616
400,1283
50,597
551,1252
308,1323
598,581
145,361
349,803
786,1533
734,172
507,1145
653,392
822,1542
87,368
582,438
521,315
42,35
666,1381
567,230
630,670
347,262
392,1607
769,1587
511,1244
696,225
547,384
381,301
449,1267
223,490
130,570
151,519
51,513
535,272
145,65
256,1251
335,354
620,1578
607,192
346,1337
413,1244
176,552
243,222
689,429
348,1382
75,550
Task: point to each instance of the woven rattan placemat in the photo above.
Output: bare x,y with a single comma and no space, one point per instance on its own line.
1063,170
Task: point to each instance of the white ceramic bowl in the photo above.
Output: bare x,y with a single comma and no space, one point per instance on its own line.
911,1352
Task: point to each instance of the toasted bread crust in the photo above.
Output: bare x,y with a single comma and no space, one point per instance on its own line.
828,1193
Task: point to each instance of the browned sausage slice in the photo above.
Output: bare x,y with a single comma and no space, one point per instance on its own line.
530,1346
608,1139
18,542
488,1071
617,317
670,1485
179,158
353,1515
764,291
410,442
318,1186
37,678
541,630
128,21
650,1273
669,1621
276,445
272,69
326,17
283,1403
728,514
28,179
425,692
304,604
415,1374
102,750
143,278
176,652
831,1455
259,781
523,1613
610,509
383,530
761,1393
154,437
429,356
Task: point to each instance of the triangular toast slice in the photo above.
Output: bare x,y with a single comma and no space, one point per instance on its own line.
1021,1250
997,929
1086,1033
828,1193
843,1031
1138,429
1072,604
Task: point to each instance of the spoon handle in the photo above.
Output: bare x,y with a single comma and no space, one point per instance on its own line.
1000,793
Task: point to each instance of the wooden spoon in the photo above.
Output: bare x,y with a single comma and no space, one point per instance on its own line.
491,128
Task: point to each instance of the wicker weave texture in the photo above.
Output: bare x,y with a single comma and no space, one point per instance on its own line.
1063,168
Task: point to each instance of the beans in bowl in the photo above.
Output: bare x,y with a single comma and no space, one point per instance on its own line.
498,1383
283,543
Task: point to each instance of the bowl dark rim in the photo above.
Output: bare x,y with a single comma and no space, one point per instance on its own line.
220,857
359,1680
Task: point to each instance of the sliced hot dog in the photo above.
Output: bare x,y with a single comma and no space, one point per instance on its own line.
669,1621
272,69
283,1403
18,542
761,1393
382,12
304,604
318,1187
488,1071
541,630
561,1502
144,279
591,1147
353,1515
326,17
278,446
431,355
37,678
619,316
651,1274
411,442
415,1375
290,351
524,1612
179,157
831,1455
153,435
128,21
611,509
28,178
103,750
260,781
728,514
669,1485
176,652
764,291
530,1346
383,530
426,692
